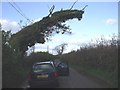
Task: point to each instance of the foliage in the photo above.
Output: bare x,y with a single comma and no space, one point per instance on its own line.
5,37
100,59
12,64
39,31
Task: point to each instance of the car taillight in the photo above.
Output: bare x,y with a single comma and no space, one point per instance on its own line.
56,74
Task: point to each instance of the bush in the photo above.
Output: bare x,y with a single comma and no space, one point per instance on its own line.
100,58
13,71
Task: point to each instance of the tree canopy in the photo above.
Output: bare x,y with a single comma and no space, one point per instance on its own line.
39,31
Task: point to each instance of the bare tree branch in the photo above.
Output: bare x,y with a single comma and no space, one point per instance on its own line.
84,7
51,10
73,4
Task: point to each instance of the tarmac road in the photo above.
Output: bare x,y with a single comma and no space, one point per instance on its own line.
76,80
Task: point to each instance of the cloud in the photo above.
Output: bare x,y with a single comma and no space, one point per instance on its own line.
9,25
12,25
111,21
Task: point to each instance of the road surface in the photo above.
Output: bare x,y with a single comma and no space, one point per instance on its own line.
76,80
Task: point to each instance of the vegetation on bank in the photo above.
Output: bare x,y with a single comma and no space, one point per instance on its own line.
99,60
13,69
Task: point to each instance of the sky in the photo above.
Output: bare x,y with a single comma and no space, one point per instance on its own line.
99,19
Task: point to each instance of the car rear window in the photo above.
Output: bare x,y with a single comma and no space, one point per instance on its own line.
43,67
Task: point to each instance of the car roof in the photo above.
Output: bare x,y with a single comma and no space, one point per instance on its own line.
44,62
55,62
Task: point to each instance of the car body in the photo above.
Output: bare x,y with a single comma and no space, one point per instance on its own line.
43,74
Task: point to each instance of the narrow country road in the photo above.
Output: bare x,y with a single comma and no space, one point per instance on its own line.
75,80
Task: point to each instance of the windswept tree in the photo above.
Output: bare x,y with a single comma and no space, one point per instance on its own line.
40,31
60,49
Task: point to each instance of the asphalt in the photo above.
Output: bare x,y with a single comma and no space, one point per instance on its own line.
77,80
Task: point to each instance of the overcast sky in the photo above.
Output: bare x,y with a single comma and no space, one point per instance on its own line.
99,19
